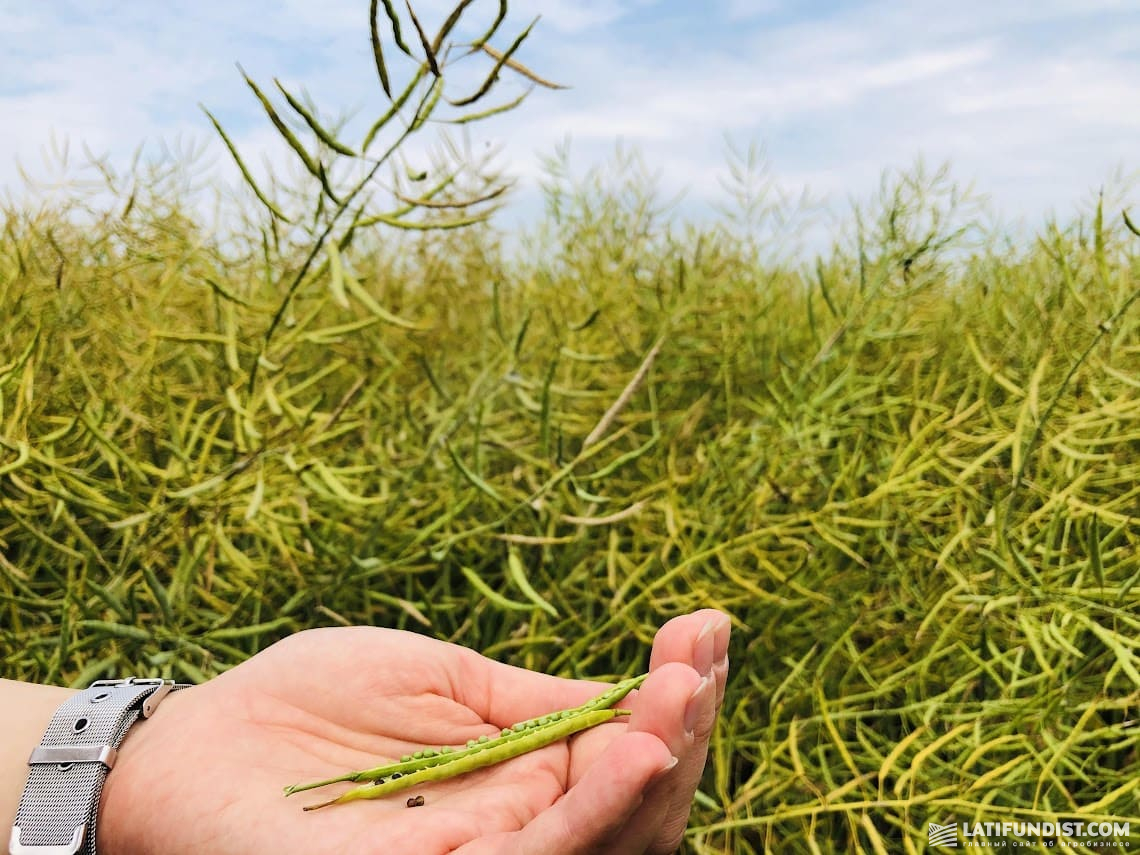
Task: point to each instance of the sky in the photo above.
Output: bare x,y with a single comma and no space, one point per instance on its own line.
1035,103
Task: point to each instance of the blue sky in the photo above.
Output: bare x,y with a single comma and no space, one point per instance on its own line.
1037,104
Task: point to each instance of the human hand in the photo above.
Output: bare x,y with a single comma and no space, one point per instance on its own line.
206,772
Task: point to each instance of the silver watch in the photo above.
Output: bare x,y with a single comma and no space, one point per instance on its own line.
60,803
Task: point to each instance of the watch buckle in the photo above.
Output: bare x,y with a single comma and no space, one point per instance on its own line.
150,703
15,847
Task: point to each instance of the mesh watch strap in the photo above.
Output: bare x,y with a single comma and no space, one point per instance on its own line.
60,803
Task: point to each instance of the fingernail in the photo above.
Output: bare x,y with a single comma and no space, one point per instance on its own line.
720,641
694,707
704,651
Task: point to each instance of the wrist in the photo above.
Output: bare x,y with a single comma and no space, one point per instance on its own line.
131,782
25,711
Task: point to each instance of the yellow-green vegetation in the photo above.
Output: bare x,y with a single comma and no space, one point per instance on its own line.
912,485
908,470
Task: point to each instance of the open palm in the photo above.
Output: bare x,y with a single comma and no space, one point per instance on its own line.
206,773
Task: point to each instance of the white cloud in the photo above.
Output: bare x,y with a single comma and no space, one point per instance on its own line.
746,10
1034,100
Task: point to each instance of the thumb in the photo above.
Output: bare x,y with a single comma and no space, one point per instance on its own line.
594,810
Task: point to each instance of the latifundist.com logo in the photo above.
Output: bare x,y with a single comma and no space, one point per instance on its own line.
942,835
1060,834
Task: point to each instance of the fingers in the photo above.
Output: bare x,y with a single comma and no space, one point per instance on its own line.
506,694
635,795
660,710
699,639
680,707
592,816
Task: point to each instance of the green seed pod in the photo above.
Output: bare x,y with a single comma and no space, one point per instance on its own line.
530,735
488,754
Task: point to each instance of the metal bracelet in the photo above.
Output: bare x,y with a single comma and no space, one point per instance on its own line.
60,803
